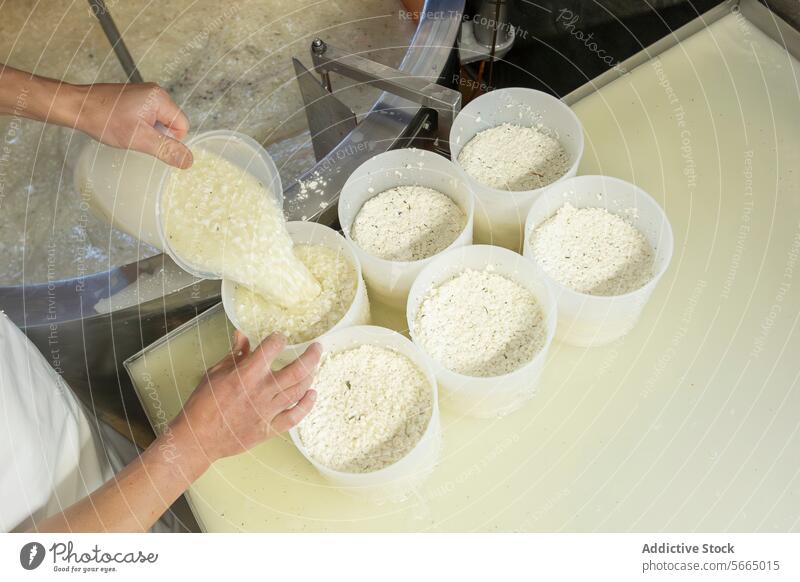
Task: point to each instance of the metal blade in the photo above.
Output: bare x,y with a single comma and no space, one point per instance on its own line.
329,120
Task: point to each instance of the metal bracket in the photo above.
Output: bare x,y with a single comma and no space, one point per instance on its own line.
329,120
325,111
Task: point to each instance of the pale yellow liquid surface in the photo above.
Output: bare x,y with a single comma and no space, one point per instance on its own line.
690,422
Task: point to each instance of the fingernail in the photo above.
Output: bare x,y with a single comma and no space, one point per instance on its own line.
184,158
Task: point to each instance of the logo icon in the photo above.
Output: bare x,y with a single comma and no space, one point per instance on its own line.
31,555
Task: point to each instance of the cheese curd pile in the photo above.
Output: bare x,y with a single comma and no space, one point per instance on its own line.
373,406
301,322
407,223
513,157
480,323
593,251
220,219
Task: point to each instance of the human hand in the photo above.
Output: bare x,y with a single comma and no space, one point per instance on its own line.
125,116
242,402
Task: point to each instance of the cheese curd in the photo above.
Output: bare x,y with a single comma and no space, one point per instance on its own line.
373,406
513,157
593,251
480,323
407,223
220,219
304,321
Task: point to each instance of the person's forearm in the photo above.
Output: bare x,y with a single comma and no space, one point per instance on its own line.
137,116
26,95
240,403
136,497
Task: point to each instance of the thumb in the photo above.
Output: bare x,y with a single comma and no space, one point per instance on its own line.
168,150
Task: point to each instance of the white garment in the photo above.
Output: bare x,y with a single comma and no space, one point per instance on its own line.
49,453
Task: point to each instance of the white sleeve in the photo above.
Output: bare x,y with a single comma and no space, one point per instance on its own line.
48,450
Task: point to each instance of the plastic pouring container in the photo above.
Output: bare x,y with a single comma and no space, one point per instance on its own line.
238,149
493,396
397,481
593,320
311,233
390,281
124,185
500,214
